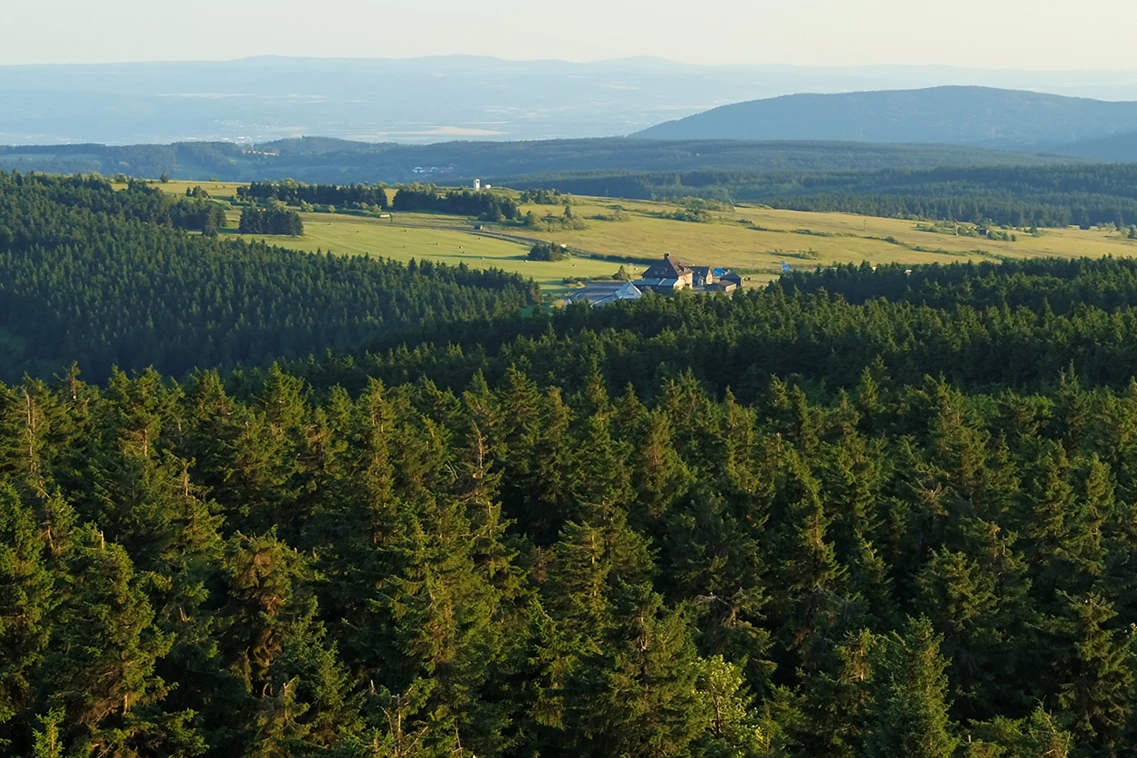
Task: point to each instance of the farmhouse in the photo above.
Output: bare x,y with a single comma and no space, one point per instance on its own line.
605,293
703,276
667,276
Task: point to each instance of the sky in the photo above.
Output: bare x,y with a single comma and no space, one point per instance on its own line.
1011,34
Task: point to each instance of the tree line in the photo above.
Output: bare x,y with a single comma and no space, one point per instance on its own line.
270,220
487,206
545,197
139,201
295,193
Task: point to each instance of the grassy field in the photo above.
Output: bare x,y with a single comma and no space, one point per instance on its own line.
758,239
446,239
359,235
751,239
221,190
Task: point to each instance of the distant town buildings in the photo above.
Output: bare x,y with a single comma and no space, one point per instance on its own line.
421,170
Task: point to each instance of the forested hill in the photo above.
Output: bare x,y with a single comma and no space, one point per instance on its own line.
1118,148
100,277
784,523
319,160
983,116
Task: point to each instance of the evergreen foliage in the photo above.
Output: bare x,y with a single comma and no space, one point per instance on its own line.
547,251
295,193
857,514
270,220
486,206
97,276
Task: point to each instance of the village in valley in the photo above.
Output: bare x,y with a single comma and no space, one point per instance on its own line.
666,277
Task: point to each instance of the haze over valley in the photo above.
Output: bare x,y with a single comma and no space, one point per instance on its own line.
435,99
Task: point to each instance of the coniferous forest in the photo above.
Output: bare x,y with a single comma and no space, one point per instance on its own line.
858,513
100,277
294,193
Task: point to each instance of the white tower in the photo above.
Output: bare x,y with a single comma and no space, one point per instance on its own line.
477,185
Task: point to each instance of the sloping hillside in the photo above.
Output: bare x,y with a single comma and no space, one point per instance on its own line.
978,116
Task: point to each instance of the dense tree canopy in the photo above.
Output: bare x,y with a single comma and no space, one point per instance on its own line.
97,276
487,206
295,193
858,513
270,220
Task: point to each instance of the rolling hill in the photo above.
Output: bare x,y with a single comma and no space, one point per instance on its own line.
977,116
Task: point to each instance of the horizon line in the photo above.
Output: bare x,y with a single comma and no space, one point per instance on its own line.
571,62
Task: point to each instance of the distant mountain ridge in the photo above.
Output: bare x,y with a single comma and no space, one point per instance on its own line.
976,116
321,159
421,100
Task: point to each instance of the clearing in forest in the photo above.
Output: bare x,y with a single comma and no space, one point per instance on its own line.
753,240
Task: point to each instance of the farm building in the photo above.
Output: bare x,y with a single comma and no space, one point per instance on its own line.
731,277
667,276
703,276
722,285
605,293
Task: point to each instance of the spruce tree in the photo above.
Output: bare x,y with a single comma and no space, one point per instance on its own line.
908,714
100,667
1095,672
28,598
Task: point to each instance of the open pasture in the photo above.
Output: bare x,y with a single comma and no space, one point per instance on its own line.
358,235
757,239
219,190
748,238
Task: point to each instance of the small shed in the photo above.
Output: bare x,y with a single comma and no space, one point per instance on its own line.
730,276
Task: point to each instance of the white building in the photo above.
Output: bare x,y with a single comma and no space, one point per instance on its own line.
605,293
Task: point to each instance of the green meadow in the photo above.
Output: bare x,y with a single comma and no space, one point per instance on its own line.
751,239
356,235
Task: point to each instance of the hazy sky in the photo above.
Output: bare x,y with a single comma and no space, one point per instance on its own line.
1024,34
